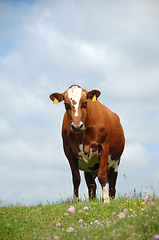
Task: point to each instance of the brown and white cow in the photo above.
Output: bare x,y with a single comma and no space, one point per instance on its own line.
93,139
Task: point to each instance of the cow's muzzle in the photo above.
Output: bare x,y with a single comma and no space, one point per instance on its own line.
77,127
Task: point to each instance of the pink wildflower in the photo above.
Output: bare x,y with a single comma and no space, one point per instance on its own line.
70,229
121,215
58,224
125,210
80,211
113,213
156,236
146,199
80,220
145,192
71,209
56,238
86,208
153,203
96,221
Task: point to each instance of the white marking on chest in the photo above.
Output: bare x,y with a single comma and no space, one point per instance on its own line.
113,164
74,94
86,163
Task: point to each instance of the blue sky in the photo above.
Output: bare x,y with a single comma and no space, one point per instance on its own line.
46,46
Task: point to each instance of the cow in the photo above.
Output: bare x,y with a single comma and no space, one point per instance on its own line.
93,140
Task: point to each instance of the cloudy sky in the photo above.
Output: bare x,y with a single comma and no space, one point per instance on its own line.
48,45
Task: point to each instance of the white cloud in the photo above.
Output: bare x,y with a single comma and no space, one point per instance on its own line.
31,154
5,128
34,184
135,157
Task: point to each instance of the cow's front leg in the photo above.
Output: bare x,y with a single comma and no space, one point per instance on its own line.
102,175
90,184
75,176
76,182
74,169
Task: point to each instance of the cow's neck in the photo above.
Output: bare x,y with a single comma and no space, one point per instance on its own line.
79,138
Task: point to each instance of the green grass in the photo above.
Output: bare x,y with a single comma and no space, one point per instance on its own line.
100,221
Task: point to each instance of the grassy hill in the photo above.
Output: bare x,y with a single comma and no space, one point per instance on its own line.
124,218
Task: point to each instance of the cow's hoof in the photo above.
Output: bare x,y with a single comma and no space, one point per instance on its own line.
106,200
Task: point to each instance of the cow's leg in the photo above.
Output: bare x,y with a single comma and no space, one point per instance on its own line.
75,171
102,174
76,182
75,176
112,177
90,184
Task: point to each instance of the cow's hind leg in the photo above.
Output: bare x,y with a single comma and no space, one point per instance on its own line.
91,184
102,173
112,177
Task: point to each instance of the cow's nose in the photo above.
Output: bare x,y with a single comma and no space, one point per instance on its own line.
76,127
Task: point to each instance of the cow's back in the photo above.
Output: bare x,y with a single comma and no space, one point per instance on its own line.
116,134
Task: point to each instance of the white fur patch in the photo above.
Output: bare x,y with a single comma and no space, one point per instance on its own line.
74,94
86,162
113,164
106,198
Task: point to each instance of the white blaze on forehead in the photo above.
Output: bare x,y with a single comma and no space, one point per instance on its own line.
74,94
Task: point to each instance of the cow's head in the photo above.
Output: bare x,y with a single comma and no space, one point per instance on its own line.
75,100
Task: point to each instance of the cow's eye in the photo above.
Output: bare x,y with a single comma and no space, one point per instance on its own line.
84,105
67,106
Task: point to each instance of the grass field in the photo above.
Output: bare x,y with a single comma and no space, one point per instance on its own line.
124,218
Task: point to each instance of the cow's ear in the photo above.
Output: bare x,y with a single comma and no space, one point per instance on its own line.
56,97
94,94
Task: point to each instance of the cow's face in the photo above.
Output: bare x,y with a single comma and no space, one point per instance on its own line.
75,100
